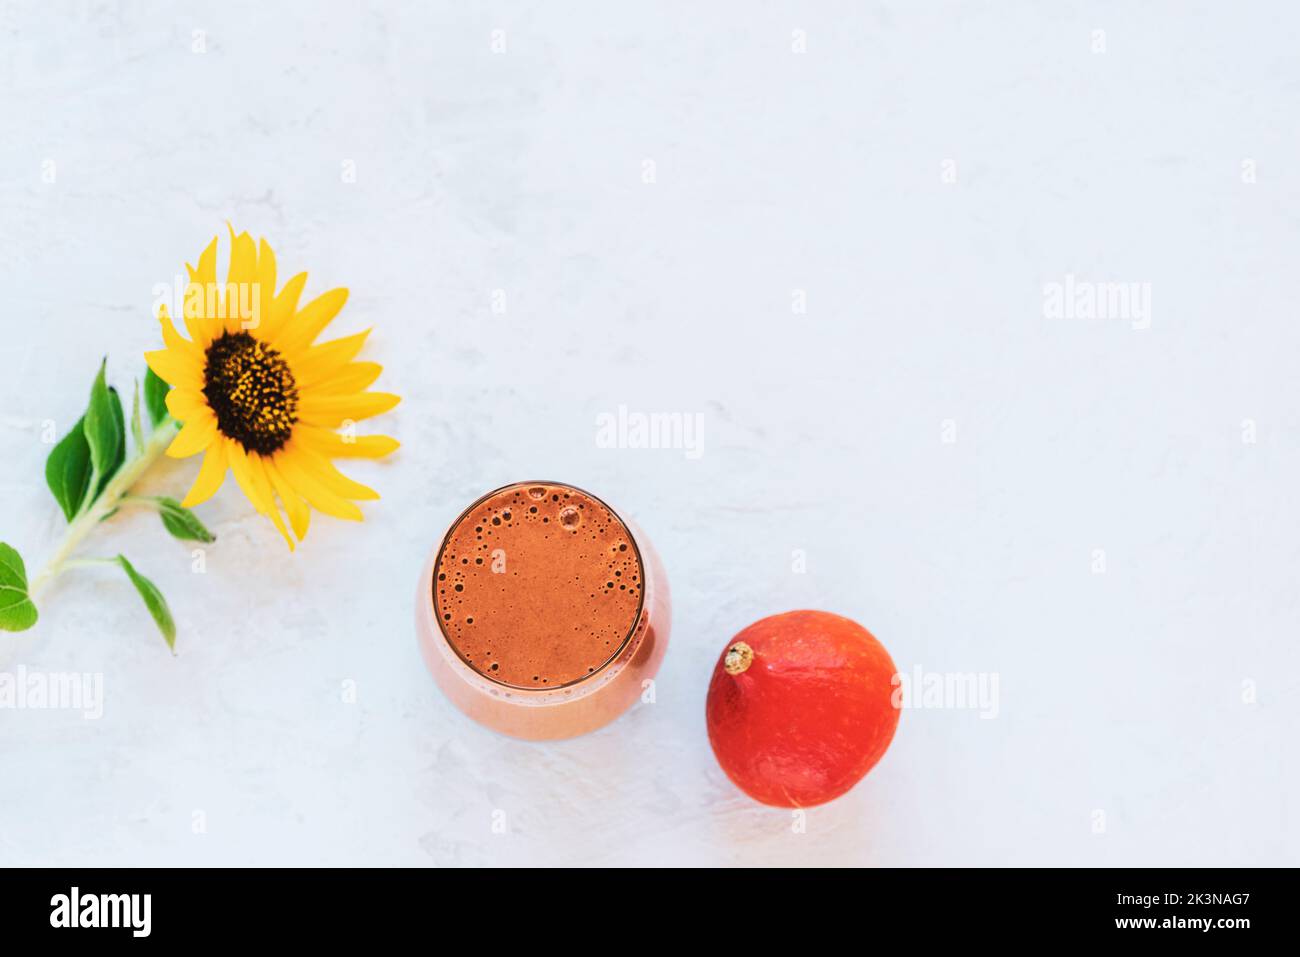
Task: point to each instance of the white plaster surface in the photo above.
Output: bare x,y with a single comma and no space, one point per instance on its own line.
1125,693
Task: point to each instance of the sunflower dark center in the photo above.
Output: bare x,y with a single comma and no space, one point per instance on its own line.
251,390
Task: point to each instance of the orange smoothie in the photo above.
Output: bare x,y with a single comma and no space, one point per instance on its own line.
538,586
542,613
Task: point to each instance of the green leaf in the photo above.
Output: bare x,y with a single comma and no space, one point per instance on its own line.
103,427
119,421
17,613
181,522
137,429
153,600
155,398
67,471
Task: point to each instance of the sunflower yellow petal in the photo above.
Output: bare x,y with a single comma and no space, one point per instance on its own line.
319,363
248,473
176,368
257,469
197,434
263,284
206,274
198,312
282,307
301,331
332,410
238,459
286,301
243,257
229,317
354,377
173,339
184,404
335,446
211,475
297,510
266,265
330,477
236,296
306,484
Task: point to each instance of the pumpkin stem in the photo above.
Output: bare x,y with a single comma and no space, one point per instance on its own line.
738,658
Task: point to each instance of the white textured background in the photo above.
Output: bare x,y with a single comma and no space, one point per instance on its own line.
776,171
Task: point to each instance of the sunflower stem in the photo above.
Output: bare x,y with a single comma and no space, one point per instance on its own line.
144,501
88,562
107,502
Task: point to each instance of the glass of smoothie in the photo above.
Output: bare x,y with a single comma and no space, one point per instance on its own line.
543,613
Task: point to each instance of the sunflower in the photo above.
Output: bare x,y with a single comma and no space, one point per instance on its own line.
258,395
